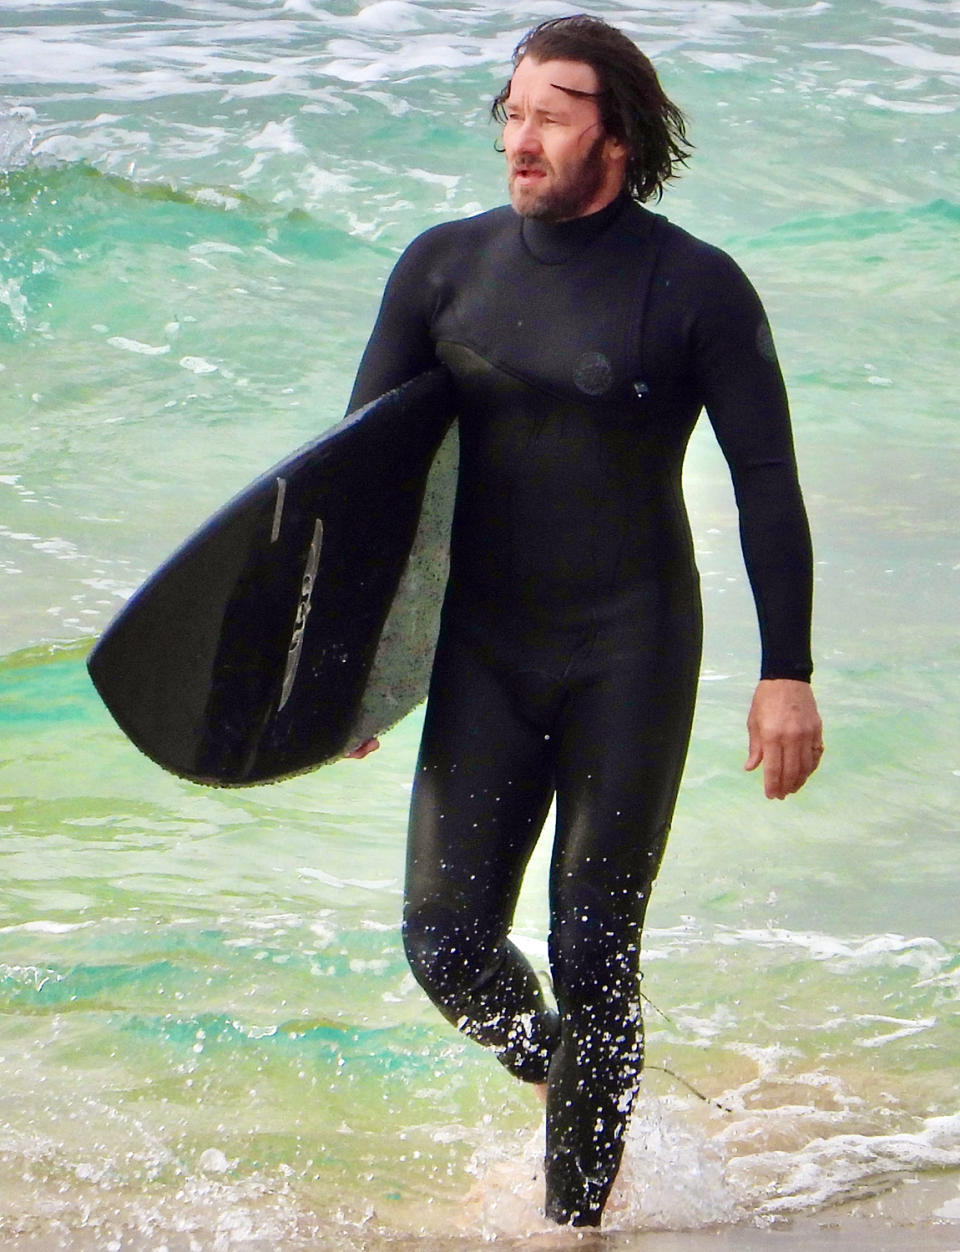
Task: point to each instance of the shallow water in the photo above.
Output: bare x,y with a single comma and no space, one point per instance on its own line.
208,1031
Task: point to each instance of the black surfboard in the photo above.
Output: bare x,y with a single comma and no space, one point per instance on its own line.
301,618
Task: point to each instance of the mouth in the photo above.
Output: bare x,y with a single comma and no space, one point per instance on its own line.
527,174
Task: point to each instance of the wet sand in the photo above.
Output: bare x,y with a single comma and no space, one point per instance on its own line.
919,1214
824,1233
802,1237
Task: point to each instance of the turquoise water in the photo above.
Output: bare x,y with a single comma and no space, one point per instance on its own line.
208,1032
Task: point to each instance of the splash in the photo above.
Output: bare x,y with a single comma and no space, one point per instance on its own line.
673,1177
16,137
689,1167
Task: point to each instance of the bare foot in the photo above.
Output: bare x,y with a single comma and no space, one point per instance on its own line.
541,1089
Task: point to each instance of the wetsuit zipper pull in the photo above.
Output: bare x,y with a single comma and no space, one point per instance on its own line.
641,390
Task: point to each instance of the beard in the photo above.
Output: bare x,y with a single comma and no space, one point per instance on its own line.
570,193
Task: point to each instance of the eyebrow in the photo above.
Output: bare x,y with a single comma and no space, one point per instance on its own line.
580,95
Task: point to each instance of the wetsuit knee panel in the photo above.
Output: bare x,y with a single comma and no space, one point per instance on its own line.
447,955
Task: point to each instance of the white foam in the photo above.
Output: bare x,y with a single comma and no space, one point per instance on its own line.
331,880
198,365
912,56
919,107
16,137
735,61
43,927
356,62
276,137
905,1028
828,1170
949,1211
214,1161
391,15
684,1170
921,953
135,345
12,296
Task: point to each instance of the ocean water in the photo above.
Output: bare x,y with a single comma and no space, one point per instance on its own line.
209,1038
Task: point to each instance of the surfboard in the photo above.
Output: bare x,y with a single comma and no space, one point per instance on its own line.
302,617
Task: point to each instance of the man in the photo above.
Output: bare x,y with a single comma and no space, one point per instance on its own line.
584,335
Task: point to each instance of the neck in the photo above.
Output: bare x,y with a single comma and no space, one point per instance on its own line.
556,242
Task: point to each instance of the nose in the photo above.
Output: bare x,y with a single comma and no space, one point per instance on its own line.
524,138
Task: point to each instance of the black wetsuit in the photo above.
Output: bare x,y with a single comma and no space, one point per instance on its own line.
568,659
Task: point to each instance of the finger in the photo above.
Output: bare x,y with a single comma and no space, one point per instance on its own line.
364,749
817,755
754,749
810,752
792,771
808,762
773,772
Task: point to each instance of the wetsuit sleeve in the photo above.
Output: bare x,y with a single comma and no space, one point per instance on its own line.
400,346
746,401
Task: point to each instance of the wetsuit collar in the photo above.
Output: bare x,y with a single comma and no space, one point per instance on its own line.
556,242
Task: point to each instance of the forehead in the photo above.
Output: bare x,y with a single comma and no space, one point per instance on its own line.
539,83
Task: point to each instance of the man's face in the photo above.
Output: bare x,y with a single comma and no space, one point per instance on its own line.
560,162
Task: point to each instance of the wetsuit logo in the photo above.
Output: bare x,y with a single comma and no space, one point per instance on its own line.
593,374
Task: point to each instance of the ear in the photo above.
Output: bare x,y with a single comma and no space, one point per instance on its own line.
616,154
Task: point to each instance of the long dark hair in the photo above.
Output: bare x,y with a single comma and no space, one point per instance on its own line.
633,105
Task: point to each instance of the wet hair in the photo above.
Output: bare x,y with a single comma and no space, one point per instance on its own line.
633,106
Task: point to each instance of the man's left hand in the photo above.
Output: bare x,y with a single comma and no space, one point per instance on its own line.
364,749
786,734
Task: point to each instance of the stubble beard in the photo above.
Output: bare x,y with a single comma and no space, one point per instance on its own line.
569,196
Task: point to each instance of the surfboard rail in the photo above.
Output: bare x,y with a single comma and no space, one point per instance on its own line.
297,620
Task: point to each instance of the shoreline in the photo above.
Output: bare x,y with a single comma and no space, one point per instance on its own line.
903,1219
801,1235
